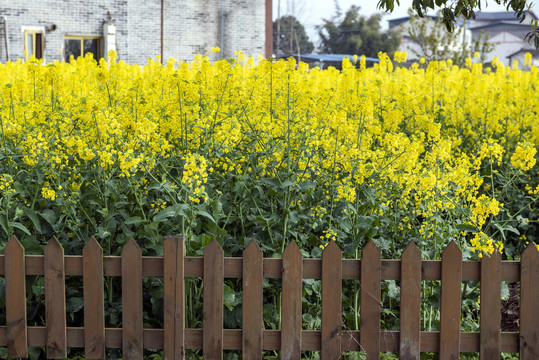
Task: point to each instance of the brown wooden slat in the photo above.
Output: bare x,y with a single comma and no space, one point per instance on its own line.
450,302
291,303
410,309
253,300
331,302
194,267
213,301
174,297
371,307
132,337
55,300
153,339
529,300
490,316
15,299
94,308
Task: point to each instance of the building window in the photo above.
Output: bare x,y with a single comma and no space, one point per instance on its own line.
33,44
81,45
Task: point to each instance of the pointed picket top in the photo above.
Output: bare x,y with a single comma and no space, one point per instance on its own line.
53,246
411,250
14,245
495,256
213,247
252,249
291,248
531,250
131,248
92,246
331,248
452,251
370,249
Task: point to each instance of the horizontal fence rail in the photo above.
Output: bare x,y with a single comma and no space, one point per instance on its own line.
213,267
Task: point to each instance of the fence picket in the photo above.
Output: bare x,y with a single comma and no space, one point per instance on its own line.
450,303
253,300
331,302
529,298
213,301
174,297
371,306
410,303
94,300
291,302
132,338
17,340
490,315
55,300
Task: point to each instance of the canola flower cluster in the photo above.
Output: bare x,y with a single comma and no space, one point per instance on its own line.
352,150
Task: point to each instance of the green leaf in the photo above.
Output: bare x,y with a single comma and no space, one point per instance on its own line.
49,216
229,297
22,228
505,291
466,227
134,220
206,215
32,215
74,304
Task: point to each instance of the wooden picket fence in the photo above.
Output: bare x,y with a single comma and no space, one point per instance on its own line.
252,339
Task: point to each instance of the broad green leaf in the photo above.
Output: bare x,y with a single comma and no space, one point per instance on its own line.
32,215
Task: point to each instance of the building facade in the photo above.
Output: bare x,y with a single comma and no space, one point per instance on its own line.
506,33
135,29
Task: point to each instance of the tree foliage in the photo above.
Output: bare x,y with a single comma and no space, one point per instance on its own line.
436,43
356,34
452,10
289,37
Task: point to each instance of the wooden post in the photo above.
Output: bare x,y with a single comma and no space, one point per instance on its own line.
450,303
410,303
214,265
17,341
252,323
371,307
291,303
174,297
331,302
132,340
490,316
529,299
94,300
55,300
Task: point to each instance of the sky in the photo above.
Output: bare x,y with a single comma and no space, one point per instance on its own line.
312,12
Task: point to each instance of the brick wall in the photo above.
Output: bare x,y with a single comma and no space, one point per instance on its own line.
190,26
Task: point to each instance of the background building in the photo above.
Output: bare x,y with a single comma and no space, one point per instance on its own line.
136,29
506,33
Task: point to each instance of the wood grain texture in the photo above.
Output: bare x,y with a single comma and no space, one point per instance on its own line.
312,268
94,308
450,302
529,300
17,341
252,322
490,315
213,301
55,300
291,310
331,302
174,298
132,337
410,309
371,308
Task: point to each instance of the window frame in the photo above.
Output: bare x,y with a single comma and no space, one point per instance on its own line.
82,38
33,33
